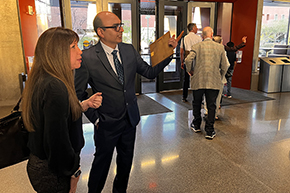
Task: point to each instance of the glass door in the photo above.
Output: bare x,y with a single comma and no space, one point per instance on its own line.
83,14
147,36
171,17
174,18
201,13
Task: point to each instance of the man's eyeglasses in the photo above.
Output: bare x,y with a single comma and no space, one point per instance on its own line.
116,27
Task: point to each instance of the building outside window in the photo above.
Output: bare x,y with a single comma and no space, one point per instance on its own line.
47,14
274,28
83,14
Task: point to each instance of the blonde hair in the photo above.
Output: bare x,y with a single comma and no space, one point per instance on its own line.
217,39
52,56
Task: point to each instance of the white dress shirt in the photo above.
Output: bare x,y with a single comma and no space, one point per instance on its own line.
108,50
190,39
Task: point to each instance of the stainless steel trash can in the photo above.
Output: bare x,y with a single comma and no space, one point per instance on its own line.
286,76
270,76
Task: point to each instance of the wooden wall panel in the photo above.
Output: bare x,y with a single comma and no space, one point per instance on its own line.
244,24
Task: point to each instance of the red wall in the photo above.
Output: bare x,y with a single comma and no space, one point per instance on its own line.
28,27
244,24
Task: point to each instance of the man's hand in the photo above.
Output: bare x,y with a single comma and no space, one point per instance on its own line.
244,39
182,65
173,42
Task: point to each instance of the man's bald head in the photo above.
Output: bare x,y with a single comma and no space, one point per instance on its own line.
101,18
207,32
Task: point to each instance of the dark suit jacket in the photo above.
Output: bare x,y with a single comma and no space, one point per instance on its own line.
118,100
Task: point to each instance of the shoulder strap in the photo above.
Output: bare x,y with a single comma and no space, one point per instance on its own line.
16,108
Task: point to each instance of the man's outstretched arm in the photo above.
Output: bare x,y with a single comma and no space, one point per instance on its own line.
236,48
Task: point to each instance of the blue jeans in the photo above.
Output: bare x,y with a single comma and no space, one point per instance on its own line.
185,84
229,84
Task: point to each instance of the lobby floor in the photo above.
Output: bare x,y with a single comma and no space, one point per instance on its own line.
251,152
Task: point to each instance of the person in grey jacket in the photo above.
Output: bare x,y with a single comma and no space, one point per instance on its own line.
210,64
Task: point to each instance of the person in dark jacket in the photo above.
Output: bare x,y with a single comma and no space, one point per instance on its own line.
50,106
232,57
110,67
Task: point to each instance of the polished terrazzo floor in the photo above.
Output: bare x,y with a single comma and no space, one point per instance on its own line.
251,152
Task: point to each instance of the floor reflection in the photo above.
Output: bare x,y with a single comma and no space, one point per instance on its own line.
249,154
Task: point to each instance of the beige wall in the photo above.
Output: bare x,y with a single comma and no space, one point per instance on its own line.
224,21
11,53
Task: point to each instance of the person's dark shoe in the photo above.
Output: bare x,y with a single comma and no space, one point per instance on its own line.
194,128
210,135
184,100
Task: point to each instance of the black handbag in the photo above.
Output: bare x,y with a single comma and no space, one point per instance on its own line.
13,138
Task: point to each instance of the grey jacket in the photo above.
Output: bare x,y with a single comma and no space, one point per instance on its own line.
211,64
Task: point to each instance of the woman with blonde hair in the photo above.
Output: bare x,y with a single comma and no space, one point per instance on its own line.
50,108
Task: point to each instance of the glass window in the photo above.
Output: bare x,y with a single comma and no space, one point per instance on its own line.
123,11
47,14
170,24
200,16
147,35
147,30
172,19
273,31
83,14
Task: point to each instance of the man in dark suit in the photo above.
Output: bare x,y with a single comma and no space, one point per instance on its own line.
113,74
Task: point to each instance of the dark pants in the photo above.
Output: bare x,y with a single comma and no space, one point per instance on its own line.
210,97
185,84
121,136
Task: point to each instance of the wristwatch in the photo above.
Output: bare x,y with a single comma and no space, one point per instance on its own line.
77,173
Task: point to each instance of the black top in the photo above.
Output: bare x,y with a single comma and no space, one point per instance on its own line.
232,56
235,48
52,137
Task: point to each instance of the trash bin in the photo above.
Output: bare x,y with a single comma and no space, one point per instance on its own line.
271,73
286,76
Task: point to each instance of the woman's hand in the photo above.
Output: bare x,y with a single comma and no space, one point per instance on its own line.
73,184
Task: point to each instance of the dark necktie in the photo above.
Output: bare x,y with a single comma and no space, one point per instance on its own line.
118,66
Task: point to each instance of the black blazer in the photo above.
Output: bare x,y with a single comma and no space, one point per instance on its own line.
118,100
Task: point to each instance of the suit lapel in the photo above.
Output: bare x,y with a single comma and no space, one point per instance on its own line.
104,60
